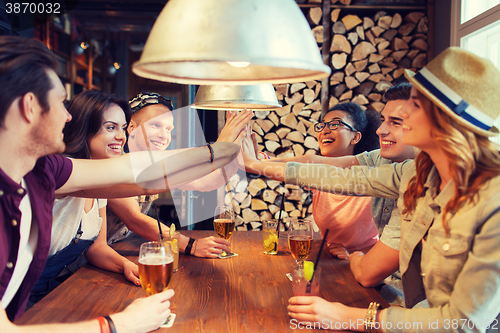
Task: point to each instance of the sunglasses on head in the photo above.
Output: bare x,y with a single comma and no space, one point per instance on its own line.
144,99
333,125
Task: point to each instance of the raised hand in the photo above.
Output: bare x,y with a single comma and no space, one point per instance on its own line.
236,126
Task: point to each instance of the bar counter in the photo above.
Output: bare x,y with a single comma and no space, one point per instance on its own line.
246,293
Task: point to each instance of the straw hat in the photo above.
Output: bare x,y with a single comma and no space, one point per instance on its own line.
463,85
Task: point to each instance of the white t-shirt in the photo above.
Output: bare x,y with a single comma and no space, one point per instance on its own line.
67,214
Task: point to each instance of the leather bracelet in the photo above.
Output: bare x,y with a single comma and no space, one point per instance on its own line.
187,250
211,155
195,245
112,327
103,325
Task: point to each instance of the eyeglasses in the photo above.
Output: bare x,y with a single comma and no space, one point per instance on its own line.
333,125
144,99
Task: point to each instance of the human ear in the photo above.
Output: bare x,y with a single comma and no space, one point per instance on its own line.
29,106
356,138
131,127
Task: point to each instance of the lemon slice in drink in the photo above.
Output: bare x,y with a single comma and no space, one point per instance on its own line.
174,246
172,230
308,269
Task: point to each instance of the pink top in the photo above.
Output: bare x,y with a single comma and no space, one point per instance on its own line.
349,219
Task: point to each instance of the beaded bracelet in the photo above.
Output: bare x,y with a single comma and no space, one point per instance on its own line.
371,317
111,324
266,156
211,150
103,325
187,250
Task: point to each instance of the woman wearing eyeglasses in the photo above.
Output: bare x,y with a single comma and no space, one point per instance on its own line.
344,131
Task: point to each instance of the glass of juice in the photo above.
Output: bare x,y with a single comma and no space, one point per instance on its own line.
156,263
300,236
270,236
224,223
172,238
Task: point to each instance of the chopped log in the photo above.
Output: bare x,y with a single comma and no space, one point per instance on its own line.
335,14
389,34
407,38
398,55
398,72
375,97
272,137
382,46
377,31
272,184
353,37
385,22
257,129
311,152
339,28
304,121
274,118
289,120
265,215
311,131
279,96
396,21
297,97
370,37
240,197
262,114
337,78
318,34
361,76
315,14
316,115
376,77
413,53
419,36
297,108
361,65
420,44
317,90
419,61
265,124
269,196
309,96
297,87
258,204
365,88
339,90
305,113
255,186
379,15
282,88
382,86
295,213
340,44
289,206
377,106
350,69
311,142
298,150
388,63
361,32
301,128
286,143
311,84
339,60
368,23
346,95
316,105
405,63
386,70
273,209
399,44
374,68
260,147
385,53
332,102
258,138
388,78
295,136
283,111
422,26
374,57
350,21
414,17
360,100
249,215
406,29
271,145
351,82
362,50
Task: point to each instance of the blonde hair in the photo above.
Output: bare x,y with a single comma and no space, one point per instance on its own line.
473,158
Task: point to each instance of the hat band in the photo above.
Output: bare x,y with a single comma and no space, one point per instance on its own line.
452,100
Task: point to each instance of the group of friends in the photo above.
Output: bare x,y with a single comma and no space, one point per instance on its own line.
412,193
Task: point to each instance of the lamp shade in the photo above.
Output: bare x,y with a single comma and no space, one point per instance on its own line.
231,42
224,97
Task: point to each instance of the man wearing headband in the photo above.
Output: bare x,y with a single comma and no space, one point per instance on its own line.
150,129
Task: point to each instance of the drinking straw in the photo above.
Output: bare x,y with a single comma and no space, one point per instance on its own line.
158,219
308,287
282,208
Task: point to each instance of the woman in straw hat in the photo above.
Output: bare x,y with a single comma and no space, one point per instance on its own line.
449,198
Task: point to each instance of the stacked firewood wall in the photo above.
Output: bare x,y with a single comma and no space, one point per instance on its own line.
367,55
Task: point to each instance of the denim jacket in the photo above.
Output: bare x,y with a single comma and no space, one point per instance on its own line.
460,271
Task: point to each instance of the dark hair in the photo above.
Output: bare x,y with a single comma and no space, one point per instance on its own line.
399,91
365,122
23,68
87,111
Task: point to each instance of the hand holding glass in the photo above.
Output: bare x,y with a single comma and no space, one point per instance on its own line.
155,266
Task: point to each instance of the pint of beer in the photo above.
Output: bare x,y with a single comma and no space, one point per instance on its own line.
155,266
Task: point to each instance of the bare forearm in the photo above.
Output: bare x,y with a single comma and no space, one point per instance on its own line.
106,258
272,170
372,268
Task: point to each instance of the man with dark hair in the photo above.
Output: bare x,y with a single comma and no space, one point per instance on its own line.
33,117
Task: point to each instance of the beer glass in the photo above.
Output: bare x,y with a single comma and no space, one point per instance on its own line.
156,263
300,236
224,223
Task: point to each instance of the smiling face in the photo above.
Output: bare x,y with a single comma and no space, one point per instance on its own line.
109,140
150,128
390,133
340,142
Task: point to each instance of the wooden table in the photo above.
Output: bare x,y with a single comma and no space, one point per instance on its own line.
247,293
